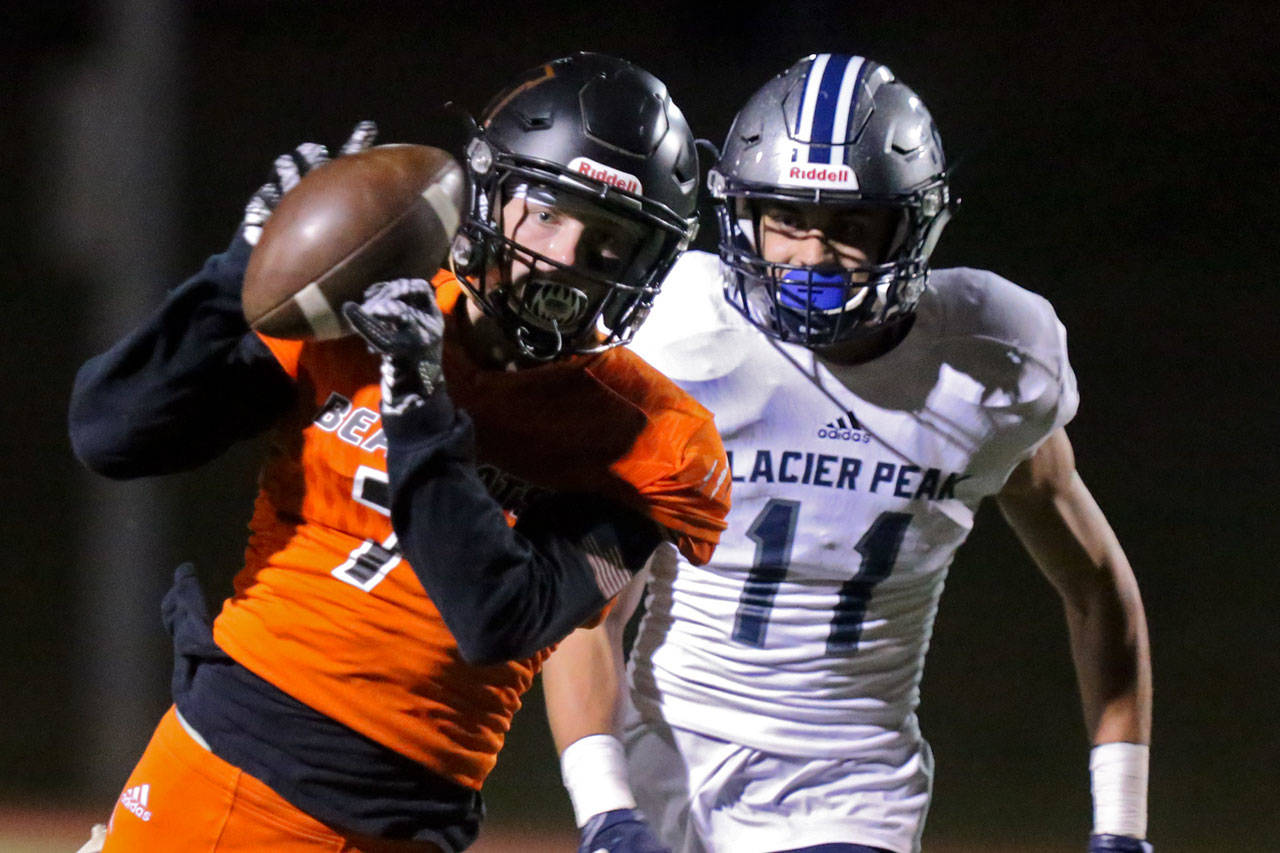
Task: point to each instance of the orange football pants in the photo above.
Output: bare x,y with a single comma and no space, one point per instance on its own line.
183,798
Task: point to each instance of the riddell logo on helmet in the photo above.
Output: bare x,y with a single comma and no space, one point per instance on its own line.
834,176
605,175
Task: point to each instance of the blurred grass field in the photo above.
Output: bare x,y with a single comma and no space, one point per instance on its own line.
31,831
25,830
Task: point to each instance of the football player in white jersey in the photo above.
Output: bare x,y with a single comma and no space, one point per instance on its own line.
868,405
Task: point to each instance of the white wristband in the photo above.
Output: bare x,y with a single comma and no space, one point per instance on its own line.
594,769
1118,772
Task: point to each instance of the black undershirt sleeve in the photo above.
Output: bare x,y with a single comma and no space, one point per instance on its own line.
184,386
504,592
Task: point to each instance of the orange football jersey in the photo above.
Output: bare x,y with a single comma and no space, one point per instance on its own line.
326,609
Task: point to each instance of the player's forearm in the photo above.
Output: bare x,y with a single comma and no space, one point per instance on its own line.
504,592
1112,660
1112,656
582,684
1067,534
500,601
585,679
182,387
1051,510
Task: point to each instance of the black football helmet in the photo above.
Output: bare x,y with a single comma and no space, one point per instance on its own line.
598,129
840,130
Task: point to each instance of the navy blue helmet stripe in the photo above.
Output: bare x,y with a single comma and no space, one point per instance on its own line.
824,114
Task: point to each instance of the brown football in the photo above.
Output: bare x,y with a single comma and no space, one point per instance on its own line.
388,212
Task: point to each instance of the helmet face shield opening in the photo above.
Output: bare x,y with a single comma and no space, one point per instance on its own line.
602,242
814,306
565,265
866,271
876,228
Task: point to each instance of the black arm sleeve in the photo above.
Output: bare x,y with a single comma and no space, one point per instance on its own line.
184,386
504,592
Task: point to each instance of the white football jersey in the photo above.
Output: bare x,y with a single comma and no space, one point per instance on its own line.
852,489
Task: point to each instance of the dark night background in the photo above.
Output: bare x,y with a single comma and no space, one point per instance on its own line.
1112,156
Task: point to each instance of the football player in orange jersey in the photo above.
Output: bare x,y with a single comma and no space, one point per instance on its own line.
354,691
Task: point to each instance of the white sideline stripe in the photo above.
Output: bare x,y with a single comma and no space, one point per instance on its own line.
440,202
808,106
322,319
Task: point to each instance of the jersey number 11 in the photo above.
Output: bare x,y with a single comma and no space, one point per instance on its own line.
773,531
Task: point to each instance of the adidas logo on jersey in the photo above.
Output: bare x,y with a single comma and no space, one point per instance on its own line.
844,428
135,800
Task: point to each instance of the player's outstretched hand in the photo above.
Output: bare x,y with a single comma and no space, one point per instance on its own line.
400,321
1118,844
287,170
619,831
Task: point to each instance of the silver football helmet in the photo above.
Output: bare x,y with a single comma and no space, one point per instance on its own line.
839,130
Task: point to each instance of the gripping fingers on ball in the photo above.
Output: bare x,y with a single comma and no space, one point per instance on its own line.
361,138
397,329
258,210
382,334
399,318
411,301
261,203
289,169
411,366
292,166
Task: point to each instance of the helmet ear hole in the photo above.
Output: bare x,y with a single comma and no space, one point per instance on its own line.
479,156
463,255
933,231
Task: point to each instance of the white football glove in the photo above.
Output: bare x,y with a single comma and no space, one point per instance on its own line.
400,321
289,169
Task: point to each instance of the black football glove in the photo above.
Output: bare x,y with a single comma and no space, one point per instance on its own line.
1118,844
289,169
619,831
400,321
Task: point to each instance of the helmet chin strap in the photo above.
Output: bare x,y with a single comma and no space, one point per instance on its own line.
527,349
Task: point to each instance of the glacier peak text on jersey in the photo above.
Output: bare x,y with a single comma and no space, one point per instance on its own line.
848,472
